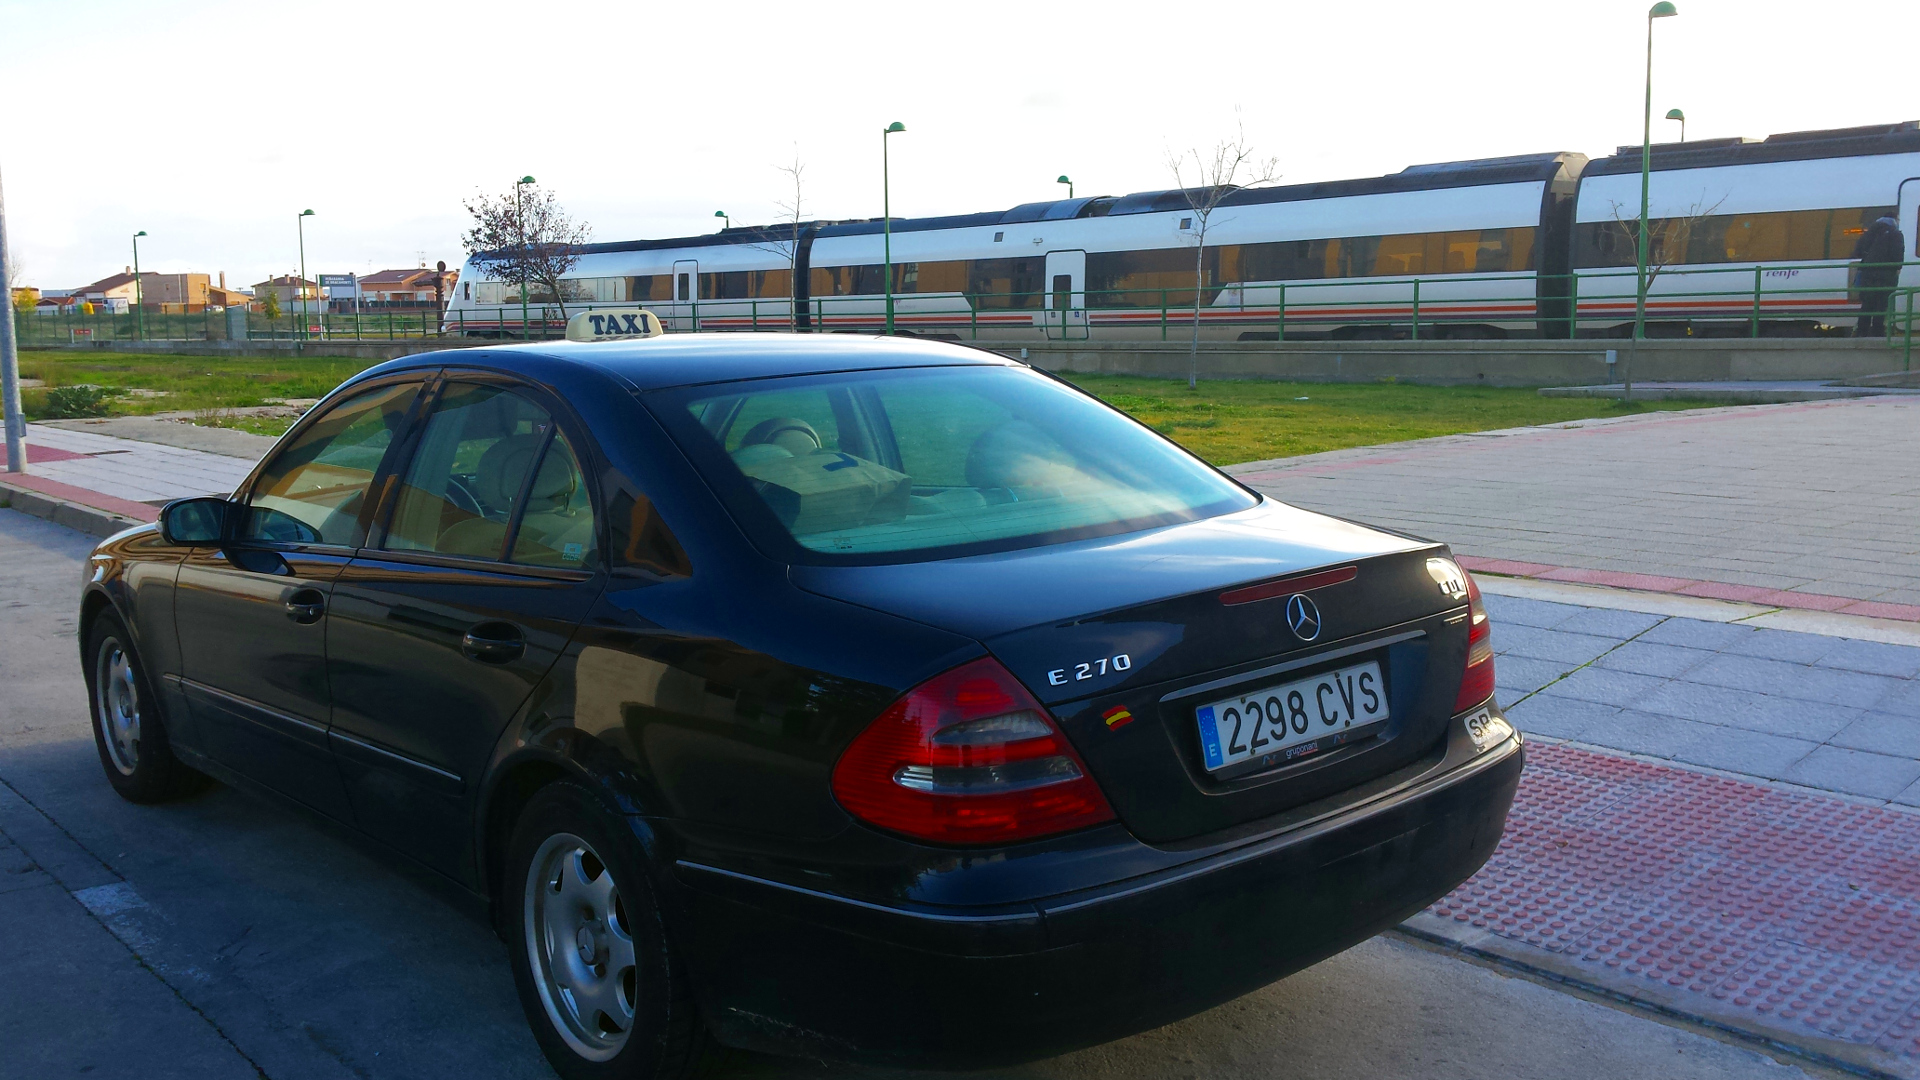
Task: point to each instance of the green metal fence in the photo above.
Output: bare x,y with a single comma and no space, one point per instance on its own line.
1900,322
67,328
1748,301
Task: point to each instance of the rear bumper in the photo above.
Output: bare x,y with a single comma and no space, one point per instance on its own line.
790,970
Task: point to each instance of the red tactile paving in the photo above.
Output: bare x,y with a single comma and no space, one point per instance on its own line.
1800,910
1715,590
138,511
37,455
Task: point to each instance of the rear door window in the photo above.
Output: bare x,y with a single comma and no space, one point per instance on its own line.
465,480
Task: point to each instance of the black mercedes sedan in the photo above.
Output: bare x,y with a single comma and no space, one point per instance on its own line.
863,698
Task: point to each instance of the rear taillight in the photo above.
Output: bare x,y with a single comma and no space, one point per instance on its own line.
1476,685
968,757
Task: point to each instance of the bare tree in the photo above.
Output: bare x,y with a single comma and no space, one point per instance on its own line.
1668,239
527,241
785,235
1231,165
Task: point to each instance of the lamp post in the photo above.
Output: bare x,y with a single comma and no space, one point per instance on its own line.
722,215
886,215
1063,180
10,415
301,221
1661,10
520,225
1676,114
139,295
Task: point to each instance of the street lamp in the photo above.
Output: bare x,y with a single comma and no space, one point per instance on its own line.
1063,180
520,225
886,216
722,215
139,296
301,221
1676,114
1661,10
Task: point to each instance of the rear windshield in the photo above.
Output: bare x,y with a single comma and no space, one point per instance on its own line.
899,465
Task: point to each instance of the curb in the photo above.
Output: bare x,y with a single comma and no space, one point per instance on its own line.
1537,963
73,515
1692,587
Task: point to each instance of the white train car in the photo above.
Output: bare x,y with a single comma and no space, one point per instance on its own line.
1745,236
1485,239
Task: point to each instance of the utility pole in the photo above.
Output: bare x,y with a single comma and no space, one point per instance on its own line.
16,422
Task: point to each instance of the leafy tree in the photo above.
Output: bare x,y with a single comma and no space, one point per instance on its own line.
270,304
525,239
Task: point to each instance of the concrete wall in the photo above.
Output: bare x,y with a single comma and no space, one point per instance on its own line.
1491,363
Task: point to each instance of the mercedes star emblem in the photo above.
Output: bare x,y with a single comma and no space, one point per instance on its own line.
1303,616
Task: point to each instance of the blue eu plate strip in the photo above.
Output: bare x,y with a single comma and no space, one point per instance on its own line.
1210,738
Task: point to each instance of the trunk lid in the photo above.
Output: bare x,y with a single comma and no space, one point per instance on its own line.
1138,624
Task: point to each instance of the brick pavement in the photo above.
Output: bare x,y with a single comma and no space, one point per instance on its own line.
1819,498
1718,820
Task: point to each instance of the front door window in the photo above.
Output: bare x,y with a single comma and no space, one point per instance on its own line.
313,489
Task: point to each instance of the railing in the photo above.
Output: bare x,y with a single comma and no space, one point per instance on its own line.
1746,300
1741,299
66,328
1901,313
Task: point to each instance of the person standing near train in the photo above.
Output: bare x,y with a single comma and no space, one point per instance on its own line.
1878,255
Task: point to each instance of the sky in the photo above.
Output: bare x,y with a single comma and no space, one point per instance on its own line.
212,124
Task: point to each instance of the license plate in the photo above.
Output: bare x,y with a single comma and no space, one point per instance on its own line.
1280,723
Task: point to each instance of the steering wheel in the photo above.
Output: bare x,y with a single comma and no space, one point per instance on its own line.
462,496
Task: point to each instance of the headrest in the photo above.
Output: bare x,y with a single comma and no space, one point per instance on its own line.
789,433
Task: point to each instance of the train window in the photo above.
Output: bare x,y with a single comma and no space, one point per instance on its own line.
1781,236
745,285
1006,283
999,236
680,287
1151,278
650,287
466,290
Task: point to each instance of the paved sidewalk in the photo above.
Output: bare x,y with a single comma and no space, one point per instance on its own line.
1827,713
1821,500
124,469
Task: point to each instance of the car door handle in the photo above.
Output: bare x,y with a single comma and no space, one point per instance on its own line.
306,605
493,643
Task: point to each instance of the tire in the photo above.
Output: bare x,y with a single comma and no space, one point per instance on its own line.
574,885
129,729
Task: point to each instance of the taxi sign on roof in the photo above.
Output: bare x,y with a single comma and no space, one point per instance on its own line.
614,324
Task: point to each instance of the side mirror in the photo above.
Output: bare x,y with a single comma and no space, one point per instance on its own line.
196,521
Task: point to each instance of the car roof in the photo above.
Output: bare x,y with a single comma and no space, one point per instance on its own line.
694,359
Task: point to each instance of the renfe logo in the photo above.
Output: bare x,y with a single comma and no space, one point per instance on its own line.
622,324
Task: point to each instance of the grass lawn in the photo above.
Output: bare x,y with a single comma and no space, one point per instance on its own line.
1224,422
1231,422
147,383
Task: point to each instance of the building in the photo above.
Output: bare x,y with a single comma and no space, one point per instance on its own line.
172,293
289,289
407,288
115,293
219,296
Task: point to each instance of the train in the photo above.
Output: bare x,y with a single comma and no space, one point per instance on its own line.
1746,236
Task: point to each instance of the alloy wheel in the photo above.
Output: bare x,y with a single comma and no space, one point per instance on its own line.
118,706
580,944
